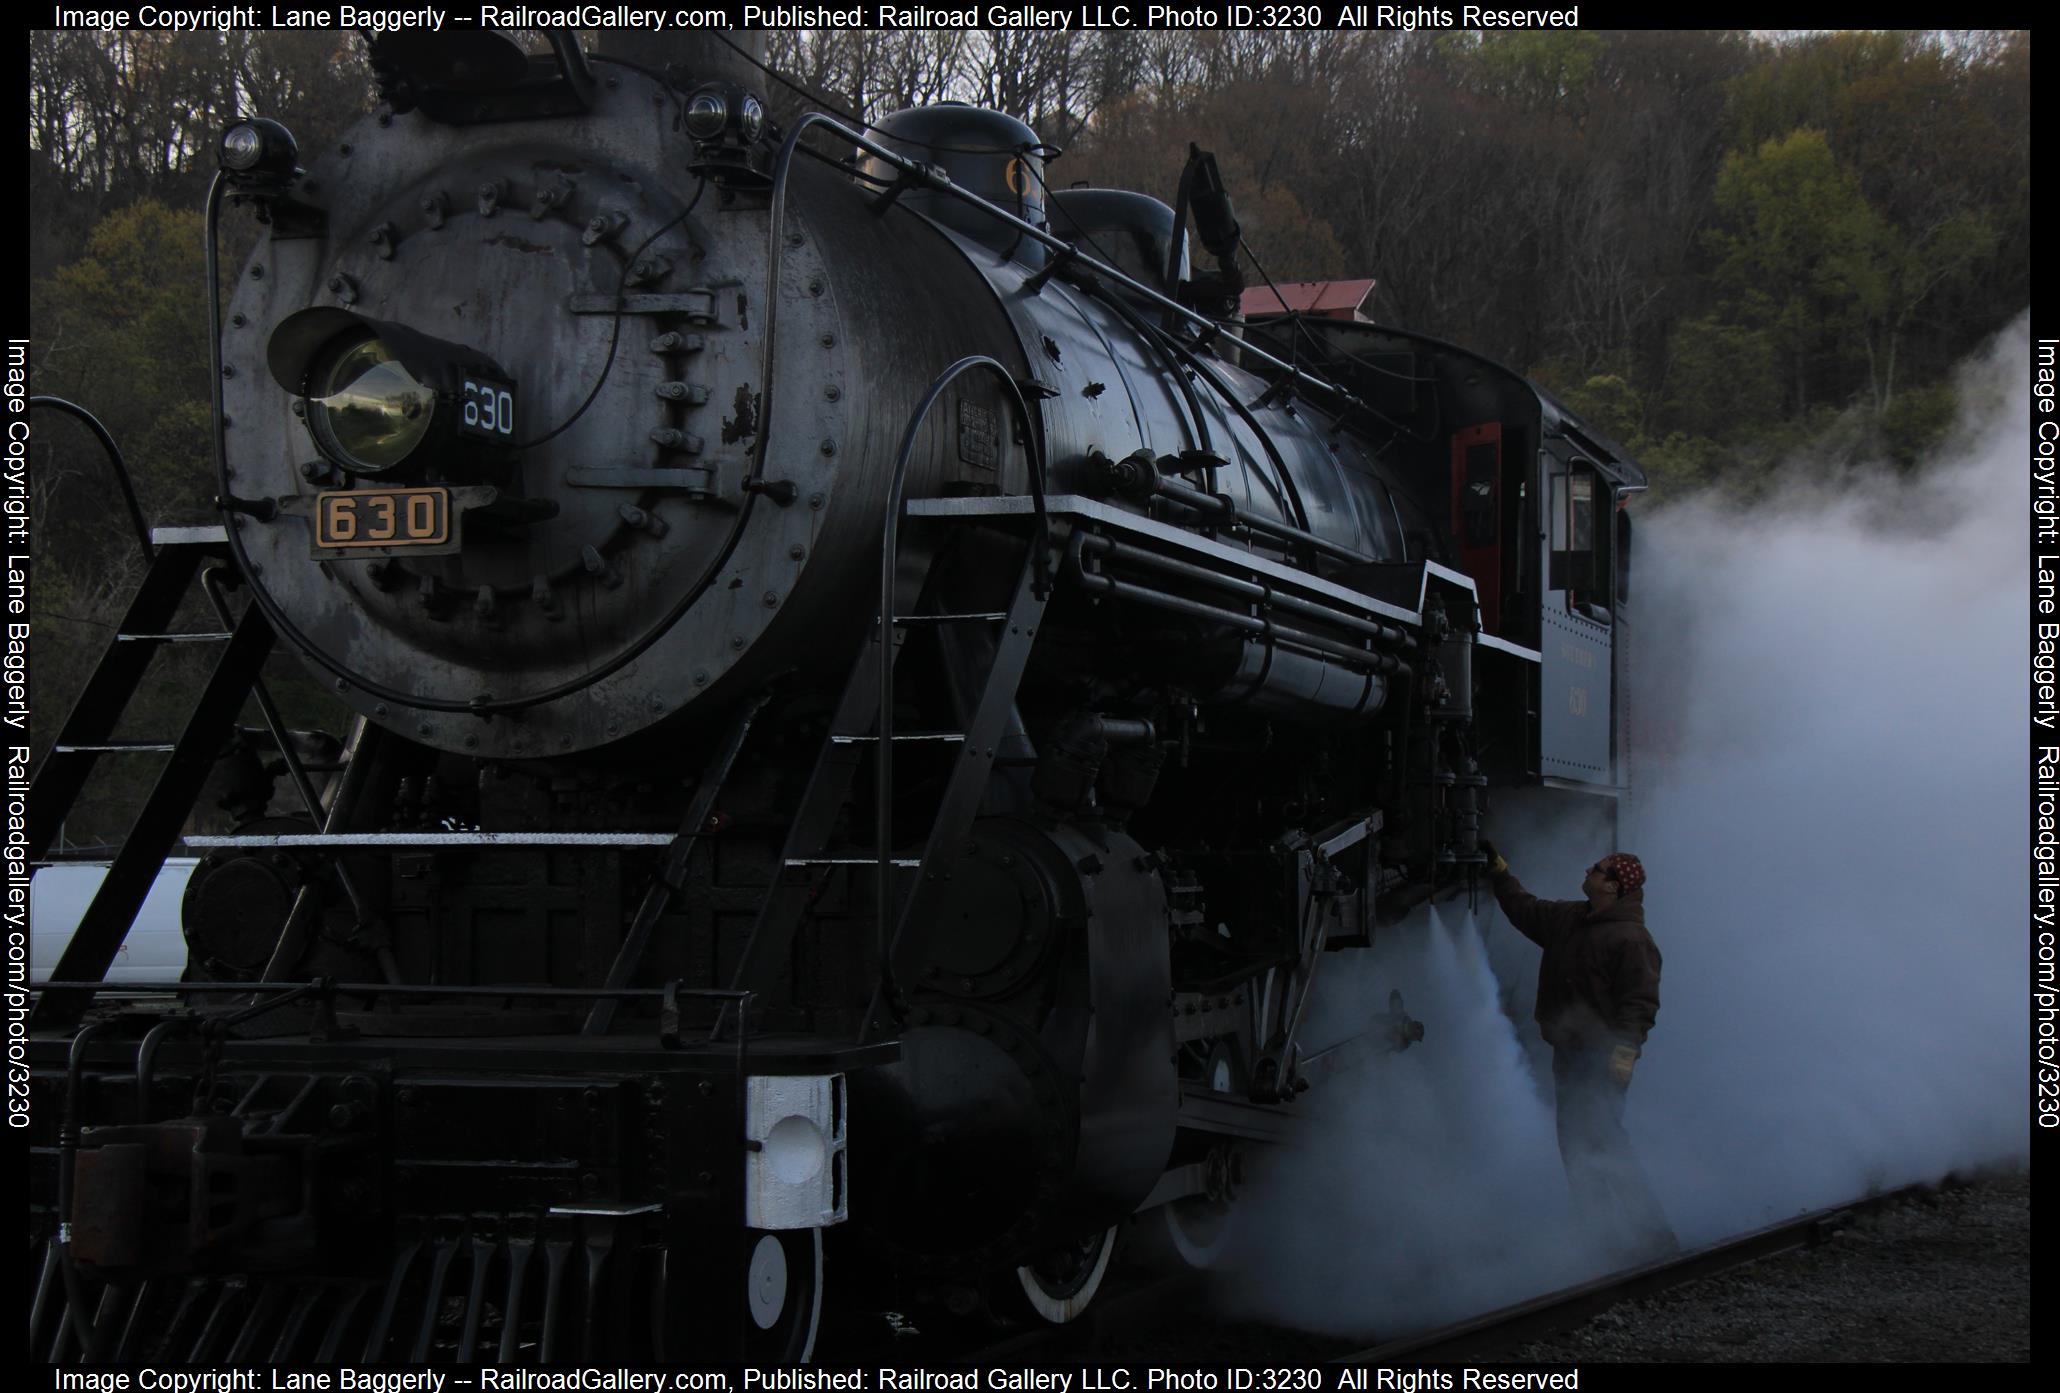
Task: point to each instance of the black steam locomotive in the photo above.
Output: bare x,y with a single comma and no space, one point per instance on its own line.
877,693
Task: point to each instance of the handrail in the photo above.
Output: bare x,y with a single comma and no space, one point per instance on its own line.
273,995
890,537
121,467
933,178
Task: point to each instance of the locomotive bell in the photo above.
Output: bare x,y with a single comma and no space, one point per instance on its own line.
379,395
987,153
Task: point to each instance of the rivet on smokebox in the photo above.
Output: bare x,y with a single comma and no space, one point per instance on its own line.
829,446
772,599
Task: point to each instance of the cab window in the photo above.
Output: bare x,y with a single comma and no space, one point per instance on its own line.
1579,535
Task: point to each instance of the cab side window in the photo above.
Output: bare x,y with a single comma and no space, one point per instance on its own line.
1579,532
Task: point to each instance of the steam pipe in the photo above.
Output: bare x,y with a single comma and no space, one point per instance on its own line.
1357,658
1092,544
146,1059
67,1159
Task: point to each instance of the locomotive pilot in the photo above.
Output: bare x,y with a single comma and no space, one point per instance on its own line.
1598,994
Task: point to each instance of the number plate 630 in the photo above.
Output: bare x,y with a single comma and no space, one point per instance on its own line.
350,518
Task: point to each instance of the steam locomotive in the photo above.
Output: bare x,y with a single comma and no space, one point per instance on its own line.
876,693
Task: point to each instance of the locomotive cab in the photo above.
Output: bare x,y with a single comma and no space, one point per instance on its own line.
1530,504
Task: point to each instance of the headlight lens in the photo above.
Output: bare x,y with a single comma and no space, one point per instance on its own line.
751,120
368,411
242,146
707,114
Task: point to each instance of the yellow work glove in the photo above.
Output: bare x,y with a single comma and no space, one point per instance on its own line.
1621,1060
1496,865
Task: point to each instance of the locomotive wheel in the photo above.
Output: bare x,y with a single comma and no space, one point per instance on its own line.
1059,1285
1187,1235
1192,1234
783,1295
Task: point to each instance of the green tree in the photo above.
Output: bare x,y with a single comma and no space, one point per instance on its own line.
1798,250
123,332
1722,380
1806,258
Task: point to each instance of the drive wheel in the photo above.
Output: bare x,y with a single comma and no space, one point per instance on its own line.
1193,1233
1057,1286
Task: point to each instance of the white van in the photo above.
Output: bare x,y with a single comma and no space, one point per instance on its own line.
155,950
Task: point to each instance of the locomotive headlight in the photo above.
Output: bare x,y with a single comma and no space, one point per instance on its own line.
366,409
708,114
377,397
255,148
750,118
726,123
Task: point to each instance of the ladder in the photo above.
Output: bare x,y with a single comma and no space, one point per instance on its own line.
856,730
865,718
88,733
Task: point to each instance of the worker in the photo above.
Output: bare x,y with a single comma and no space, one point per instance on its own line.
1598,995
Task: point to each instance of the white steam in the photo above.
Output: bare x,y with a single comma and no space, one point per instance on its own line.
1828,781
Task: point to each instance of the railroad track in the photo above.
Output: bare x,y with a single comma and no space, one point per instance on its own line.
1134,1315
1495,1332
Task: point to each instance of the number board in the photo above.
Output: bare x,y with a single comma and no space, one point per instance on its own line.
488,410
355,521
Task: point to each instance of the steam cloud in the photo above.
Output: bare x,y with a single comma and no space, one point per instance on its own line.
1828,787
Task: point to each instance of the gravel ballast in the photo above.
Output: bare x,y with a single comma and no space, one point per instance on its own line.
1945,1278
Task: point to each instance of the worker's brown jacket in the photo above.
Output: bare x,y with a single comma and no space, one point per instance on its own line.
1598,985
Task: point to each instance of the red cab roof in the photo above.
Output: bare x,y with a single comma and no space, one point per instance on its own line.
1328,299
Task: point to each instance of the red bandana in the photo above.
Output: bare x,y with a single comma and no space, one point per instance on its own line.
1625,869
